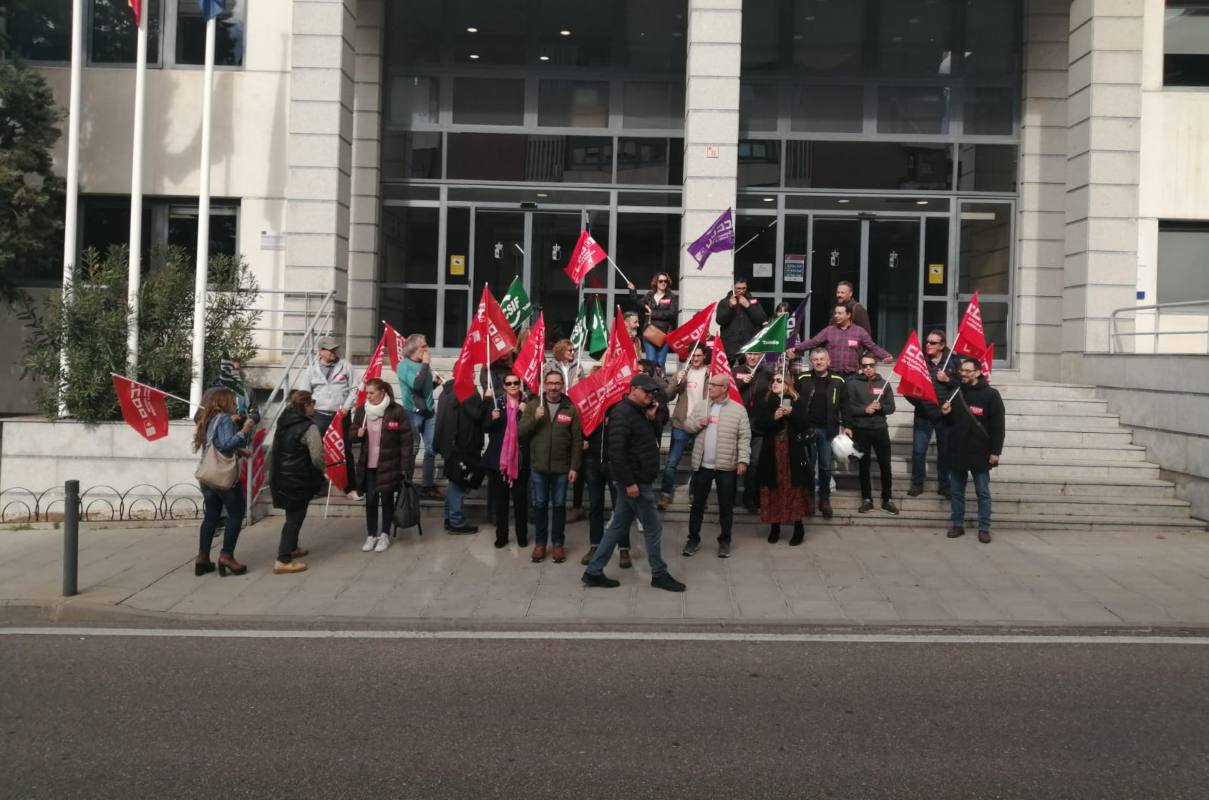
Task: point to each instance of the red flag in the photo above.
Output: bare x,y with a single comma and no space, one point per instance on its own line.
587,254
695,330
137,7
620,344
720,365
986,362
333,451
528,364
913,367
373,371
501,339
463,370
143,407
595,394
394,345
971,341
257,461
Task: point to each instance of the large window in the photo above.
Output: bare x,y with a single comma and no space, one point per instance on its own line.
1183,272
1186,44
105,223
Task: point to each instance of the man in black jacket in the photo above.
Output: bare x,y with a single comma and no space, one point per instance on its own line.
824,396
927,418
975,419
741,317
870,401
632,450
459,440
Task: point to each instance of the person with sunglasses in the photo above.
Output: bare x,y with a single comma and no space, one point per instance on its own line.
870,402
550,427
927,417
783,471
974,416
659,310
506,462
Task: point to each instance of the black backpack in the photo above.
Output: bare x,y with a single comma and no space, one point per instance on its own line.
407,508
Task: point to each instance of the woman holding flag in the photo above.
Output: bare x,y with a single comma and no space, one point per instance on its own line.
507,462
783,473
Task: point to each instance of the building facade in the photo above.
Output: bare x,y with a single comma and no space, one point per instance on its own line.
1049,155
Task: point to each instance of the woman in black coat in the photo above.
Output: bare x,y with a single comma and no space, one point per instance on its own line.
296,469
783,474
507,468
660,308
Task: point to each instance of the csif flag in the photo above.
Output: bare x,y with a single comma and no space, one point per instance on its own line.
579,331
395,342
516,305
595,394
528,364
771,338
373,371
489,337
144,408
912,367
720,365
333,451
587,254
598,335
717,238
682,339
971,341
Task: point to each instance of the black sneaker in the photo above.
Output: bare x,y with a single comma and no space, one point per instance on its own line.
945,493
916,490
461,530
866,505
667,583
600,581
888,506
723,549
690,547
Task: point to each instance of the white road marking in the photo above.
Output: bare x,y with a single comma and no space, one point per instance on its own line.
615,636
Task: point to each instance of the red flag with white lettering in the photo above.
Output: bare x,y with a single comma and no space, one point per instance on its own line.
501,339
587,254
695,330
373,371
333,451
987,360
620,344
474,345
913,368
394,345
143,407
528,364
971,341
720,365
594,395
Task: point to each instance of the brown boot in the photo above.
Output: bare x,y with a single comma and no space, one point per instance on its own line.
984,536
559,554
587,559
228,564
538,554
955,532
624,561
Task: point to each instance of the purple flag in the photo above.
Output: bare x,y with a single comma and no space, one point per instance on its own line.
718,237
797,324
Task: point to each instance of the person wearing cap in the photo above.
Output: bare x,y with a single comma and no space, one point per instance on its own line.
329,379
632,450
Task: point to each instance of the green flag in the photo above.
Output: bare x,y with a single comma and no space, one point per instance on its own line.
579,333
598,334
515,305
771,338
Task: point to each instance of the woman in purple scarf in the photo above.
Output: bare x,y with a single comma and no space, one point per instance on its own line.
507,462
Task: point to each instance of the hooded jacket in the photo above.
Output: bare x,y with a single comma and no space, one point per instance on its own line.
976,427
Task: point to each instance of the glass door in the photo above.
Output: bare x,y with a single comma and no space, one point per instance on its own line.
837,248
892,272
499,251
554,235
985,266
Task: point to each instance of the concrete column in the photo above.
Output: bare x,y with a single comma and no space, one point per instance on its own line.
364,325
711,142
1103,146
1041,218
319,148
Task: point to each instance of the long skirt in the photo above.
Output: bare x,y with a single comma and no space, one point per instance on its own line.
784,502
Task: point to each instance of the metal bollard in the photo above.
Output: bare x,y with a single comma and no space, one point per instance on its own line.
71,537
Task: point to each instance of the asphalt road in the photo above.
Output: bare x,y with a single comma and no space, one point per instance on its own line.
231,718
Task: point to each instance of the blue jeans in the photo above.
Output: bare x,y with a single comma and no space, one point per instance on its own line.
921,435
596,476
657,354
213,503
643,507
546,489
454,496
957,501
680,442
422,428
821,444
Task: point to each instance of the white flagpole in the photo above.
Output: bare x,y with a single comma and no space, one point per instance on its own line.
134,270
73,175
203,228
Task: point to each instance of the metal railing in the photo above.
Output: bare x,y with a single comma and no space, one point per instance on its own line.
1195,339
286,315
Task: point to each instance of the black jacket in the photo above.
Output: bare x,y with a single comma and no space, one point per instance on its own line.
495,430
632,445
976,427
753,392
294,477
663,315
926,409
862,392
837,401
459,436
739,324
795,425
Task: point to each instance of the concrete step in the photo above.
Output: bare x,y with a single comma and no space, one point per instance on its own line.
1053,505
1097,440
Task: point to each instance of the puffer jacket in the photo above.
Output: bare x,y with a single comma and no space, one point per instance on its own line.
734,436
555,445
330,391
632,445
396,448
295,473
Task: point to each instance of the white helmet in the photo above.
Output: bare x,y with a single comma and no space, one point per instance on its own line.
843,448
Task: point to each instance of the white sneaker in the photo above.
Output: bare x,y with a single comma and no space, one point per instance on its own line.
353,494
383,543
370,541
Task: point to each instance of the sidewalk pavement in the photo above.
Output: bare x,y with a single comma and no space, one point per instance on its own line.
841,575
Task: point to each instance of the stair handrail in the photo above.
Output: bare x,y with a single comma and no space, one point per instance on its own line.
1115,332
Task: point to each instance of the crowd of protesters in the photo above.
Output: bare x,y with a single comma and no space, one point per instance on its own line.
772,450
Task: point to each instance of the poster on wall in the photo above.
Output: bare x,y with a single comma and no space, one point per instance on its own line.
761,270
795,268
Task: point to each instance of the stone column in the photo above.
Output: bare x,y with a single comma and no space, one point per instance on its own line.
711,142
1103,144
364,325
1042,180
319,149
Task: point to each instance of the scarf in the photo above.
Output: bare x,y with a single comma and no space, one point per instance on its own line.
510,452
377,411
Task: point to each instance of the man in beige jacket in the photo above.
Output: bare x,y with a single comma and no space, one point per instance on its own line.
721,452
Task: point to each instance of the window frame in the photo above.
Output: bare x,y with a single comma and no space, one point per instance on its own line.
1176,4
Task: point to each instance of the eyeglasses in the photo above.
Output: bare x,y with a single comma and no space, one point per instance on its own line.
778,380
663,280
512,383
868,366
